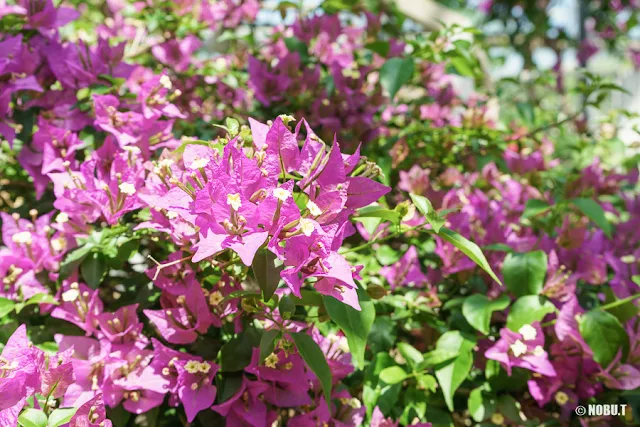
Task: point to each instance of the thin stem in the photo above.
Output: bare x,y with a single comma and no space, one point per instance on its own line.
169,264
553,125
619,302
382,239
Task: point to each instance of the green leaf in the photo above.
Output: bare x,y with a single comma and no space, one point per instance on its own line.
266,272
438,356
32,418
73,260
379,212
604,334
267,343
61,416
482,404
232,126
424,206
6,306
355,324
375,391
528,309
498,247
236,354
395,73
535,207
468,248
509,407
623,312
93,269
410,354
524,273
380,47
393,375
383,334
37,299
294,44
427,382
595,213
453,374
313,355
462,66
477,309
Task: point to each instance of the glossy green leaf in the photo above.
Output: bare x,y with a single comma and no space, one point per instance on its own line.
266,272
73,260
93,269
355,324
595,213
524,273
424,206
604,334
375,391
468,248
393,375
528,309
623,312
314,357
452,375
482,404
236,354
395,73
61,416
6,306
380,47
267,343
535,207
379,212
31,417
477,309
438,356
410,354
510,408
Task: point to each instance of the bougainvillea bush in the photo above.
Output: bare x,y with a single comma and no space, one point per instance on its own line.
211,221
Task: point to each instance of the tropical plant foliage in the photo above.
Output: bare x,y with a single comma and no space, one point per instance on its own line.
207,221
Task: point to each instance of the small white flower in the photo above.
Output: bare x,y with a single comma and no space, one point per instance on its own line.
286,118
562,398
192,366
518,348
132,149
528,332
307,227
165,163
165,81
271,361
62,218
343,345
70,295
204,367
234,201
58,244
313,208
127,188
23,237
216,298
199,162
281,194
538,351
